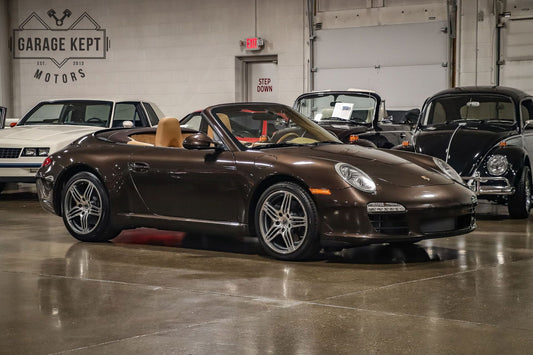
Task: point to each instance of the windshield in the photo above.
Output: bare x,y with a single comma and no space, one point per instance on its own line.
478,108
355,108
86,113
270,125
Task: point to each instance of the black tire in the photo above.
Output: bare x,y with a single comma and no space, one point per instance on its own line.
286,221
519,204
86,209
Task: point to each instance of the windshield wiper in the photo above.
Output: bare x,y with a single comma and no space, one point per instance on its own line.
466,120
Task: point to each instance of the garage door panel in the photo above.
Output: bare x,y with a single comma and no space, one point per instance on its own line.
517,54
360,47
403,63
403,87
518,74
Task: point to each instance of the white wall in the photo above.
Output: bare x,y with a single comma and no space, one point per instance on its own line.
179,54
5,68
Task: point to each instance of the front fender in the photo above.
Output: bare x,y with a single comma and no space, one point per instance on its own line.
516,156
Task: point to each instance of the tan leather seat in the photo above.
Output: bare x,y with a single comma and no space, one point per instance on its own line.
225,120
168,133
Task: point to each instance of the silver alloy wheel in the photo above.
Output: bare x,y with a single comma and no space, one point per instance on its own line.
283,222
83,206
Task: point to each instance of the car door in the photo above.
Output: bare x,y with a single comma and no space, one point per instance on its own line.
191,184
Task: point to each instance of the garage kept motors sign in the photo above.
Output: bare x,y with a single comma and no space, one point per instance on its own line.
82,40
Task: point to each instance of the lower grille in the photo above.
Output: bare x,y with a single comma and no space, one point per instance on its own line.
390,223
446,224
9,153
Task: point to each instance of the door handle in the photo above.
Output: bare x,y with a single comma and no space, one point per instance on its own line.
176,174
139,167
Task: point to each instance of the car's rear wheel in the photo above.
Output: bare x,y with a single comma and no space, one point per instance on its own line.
520,203
286,221
85,206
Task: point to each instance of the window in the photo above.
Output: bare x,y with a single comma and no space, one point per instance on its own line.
472,107
526,110
128,111
87,113
154,114
194,122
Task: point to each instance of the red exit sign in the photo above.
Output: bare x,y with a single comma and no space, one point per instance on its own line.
254,44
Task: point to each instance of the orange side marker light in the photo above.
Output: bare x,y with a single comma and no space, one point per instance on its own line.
320,191
354,138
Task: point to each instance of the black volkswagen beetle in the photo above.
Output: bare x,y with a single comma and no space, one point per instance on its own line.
486,135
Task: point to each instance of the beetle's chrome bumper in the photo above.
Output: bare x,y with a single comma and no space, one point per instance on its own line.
497,185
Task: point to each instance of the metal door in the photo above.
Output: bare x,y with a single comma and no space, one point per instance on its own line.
262,81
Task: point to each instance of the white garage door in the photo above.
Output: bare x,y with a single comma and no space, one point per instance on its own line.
404,63
517,54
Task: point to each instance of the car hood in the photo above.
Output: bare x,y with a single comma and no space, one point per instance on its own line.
384,167
43,135
467,149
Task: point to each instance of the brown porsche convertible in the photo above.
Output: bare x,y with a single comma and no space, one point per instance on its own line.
252,169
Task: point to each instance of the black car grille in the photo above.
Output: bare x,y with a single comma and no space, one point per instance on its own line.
9,153
388,223
447,224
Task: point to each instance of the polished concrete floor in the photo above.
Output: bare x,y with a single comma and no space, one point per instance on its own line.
155,292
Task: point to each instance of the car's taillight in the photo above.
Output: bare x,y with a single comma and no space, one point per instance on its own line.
46,162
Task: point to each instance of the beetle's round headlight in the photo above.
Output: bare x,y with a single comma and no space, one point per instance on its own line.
355,177
448,170
497,165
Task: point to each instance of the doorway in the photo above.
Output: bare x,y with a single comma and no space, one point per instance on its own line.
256,79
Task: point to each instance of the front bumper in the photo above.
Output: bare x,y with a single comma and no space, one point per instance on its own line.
450,212
482,185
45,191
19,172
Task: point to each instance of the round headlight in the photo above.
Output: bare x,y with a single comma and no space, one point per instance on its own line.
497,165
355,177
448,170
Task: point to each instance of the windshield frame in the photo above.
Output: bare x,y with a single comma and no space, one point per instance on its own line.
293,115
24,120
354,93
428,107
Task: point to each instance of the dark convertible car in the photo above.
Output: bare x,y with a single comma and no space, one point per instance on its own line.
486,135
252,169
357,116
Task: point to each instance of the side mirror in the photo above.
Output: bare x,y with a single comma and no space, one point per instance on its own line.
3,112
200,141
127,124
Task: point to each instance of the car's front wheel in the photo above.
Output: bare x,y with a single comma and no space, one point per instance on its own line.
520,203
86,211
286,221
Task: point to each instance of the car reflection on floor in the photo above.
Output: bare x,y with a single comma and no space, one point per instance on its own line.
371,254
